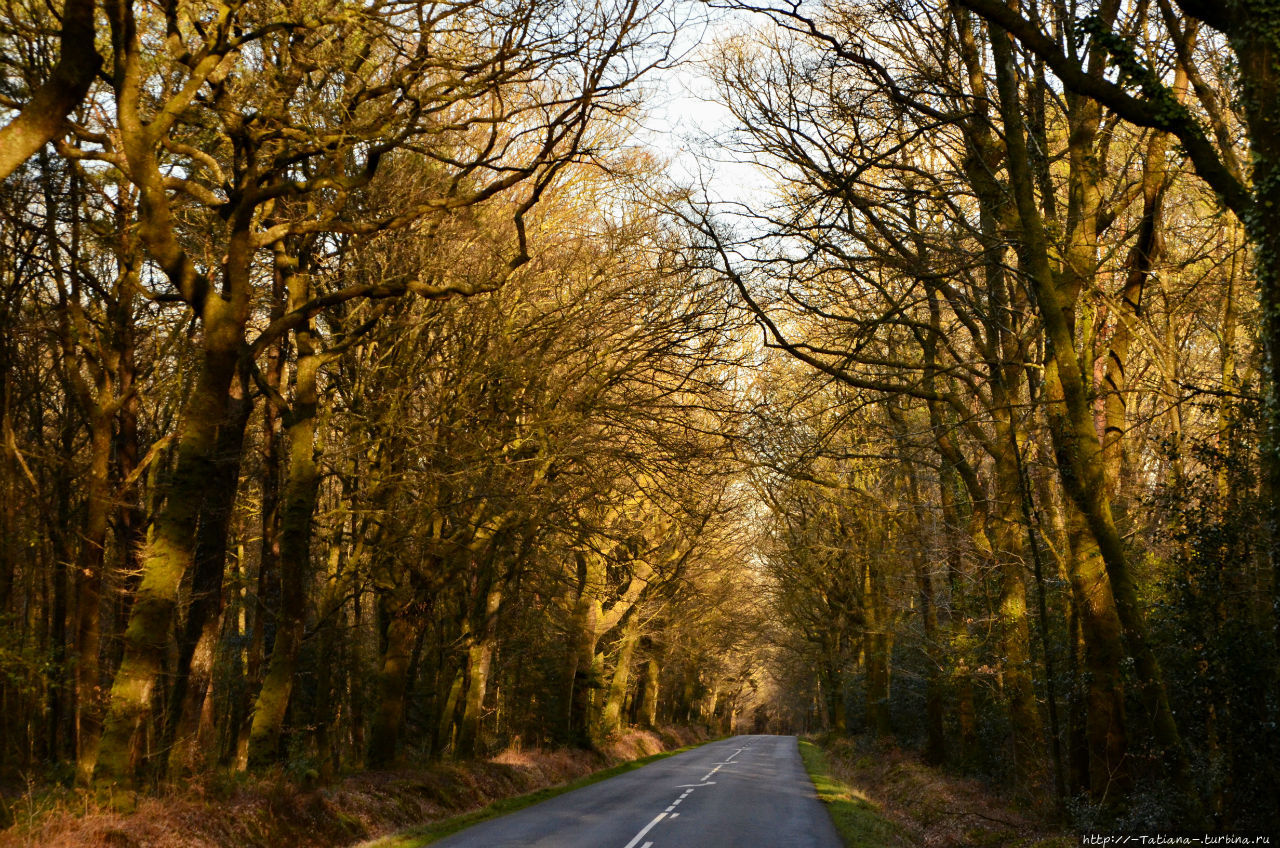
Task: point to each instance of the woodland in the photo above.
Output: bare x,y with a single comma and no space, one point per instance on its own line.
375,391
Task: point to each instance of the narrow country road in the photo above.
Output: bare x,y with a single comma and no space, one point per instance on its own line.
748,791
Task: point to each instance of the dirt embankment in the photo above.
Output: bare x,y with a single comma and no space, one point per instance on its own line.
269,814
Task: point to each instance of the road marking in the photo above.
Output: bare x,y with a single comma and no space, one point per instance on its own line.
635,840
673,815
696,785
708,774
647,845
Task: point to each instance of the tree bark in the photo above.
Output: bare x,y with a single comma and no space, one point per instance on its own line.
298,505
169,554
392,683
1076,442
89,579
1102,637
42,118
649,694
878,647
197,643
1256,42
611,716
479,660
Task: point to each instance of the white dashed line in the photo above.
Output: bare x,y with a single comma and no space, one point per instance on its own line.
687,787
635,840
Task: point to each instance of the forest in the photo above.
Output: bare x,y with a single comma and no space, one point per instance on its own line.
377,387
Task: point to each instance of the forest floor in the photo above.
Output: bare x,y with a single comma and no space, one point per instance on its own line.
263,813
882,796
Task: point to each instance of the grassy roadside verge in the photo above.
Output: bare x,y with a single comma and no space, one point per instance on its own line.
858,821
426,834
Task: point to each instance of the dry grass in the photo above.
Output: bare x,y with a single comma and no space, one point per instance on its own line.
934,809
272,813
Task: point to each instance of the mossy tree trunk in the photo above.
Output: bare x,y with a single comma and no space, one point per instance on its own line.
392,684
198,639
169,554
611,716
878,651
1072,426
649,692
479,663
297,512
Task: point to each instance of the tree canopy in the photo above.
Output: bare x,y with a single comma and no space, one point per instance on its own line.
374,390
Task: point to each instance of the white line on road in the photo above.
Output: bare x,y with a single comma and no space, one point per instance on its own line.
636,839
696,785
673,815
647,845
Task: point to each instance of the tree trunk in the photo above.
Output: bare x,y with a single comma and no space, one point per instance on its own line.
1101,635
611,717
935,744
1257,44
263,614
1072,426
171,551
479,660
580,670
43,117
878,649
298,505
393,677
197,644
649,696
833,702
444,729
89,579
1014,620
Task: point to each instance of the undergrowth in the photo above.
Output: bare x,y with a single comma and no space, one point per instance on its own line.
265,811
882,796
857,819
426,834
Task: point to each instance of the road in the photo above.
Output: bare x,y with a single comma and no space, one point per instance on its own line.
748,791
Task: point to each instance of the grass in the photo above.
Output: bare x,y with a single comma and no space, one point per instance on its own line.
858,821
426,834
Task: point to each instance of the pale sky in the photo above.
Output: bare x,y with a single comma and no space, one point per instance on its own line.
686,118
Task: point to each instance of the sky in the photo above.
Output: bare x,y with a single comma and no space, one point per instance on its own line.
686,118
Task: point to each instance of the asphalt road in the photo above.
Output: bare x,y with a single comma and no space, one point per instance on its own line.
748,791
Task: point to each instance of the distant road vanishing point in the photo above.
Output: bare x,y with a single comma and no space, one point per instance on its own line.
744,792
